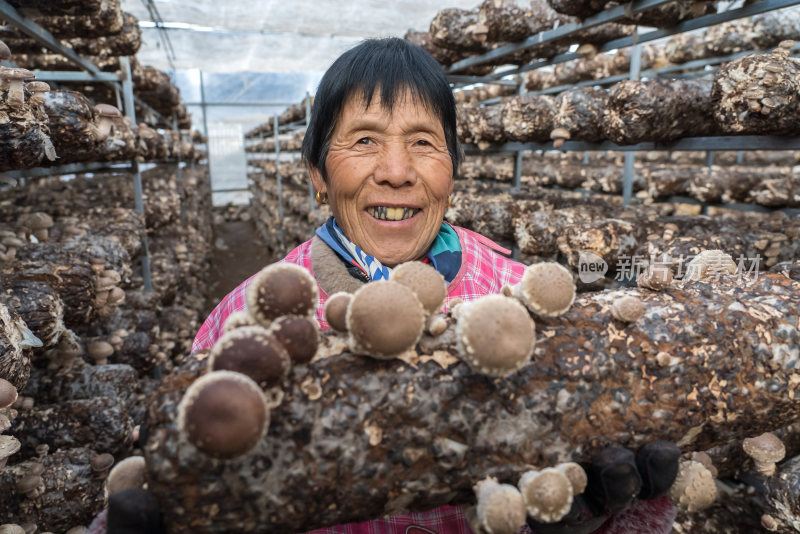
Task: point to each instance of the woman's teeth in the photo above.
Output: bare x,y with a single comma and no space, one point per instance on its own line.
391,214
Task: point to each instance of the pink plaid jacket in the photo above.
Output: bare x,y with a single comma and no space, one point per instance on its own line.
482,272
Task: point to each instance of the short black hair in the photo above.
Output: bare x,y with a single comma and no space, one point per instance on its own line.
394,64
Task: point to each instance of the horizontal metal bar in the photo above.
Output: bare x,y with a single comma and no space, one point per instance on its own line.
742,142
468,80
557,33
708,20
731,205
247,104
75,76
71,168
42,36
230,190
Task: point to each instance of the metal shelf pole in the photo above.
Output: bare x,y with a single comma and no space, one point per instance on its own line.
280,180
311,204
127,97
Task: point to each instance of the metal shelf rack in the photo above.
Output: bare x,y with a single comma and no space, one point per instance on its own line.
91,74
709,144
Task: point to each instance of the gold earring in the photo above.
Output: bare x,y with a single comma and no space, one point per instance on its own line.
449,201
321,198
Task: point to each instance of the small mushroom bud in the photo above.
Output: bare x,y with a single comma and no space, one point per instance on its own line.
8,393
281,289
238,319
587,50
27,403
547,494
576,476
705,459
99,351
115,296
656,277
11,78
252,351
5,423
130,473
35,469
42,449
384,319
769,523
500,508
426,282
627,309
101,464
709,264
298,335
31,486
765,450
224,414
38,89
106,114
694,488
559,136
546,289
8,445
336,310
495,335
436,325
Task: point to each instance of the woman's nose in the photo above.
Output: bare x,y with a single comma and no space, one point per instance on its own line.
395,166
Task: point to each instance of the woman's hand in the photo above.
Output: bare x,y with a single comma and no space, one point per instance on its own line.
617,477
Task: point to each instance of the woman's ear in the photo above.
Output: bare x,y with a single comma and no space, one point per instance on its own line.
316,179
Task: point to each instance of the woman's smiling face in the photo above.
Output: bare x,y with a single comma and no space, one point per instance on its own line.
389,177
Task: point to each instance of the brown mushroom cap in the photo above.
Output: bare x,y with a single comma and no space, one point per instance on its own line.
5,52
107,110
16,73
100,350
37,220
547,494
495,335
546,289
8,446
627,309
336,310
576,476
656,277
694,488
709,264
29,483
298,335
38,87
426,282
224,414
500,508
8,393
281,289
765,450
102,462
385,319
130,473
252,351
238,319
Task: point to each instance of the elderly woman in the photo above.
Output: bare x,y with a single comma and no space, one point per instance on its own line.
382,150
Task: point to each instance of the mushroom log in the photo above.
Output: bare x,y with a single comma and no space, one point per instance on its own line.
413,434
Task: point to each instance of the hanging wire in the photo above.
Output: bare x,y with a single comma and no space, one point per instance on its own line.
163,34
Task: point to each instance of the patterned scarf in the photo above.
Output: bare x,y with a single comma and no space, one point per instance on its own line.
444,255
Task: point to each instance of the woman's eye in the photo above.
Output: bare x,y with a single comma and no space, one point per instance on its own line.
364,140
423,142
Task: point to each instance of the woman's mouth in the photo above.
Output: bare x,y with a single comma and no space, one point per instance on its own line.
386,213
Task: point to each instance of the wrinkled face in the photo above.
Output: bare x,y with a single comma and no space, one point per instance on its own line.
389,177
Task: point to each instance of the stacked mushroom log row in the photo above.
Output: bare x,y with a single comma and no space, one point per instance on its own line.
756,33
291,141
548,225
757,94
299,221
293,113
663,16
510,396
456,34
82,391
106,18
